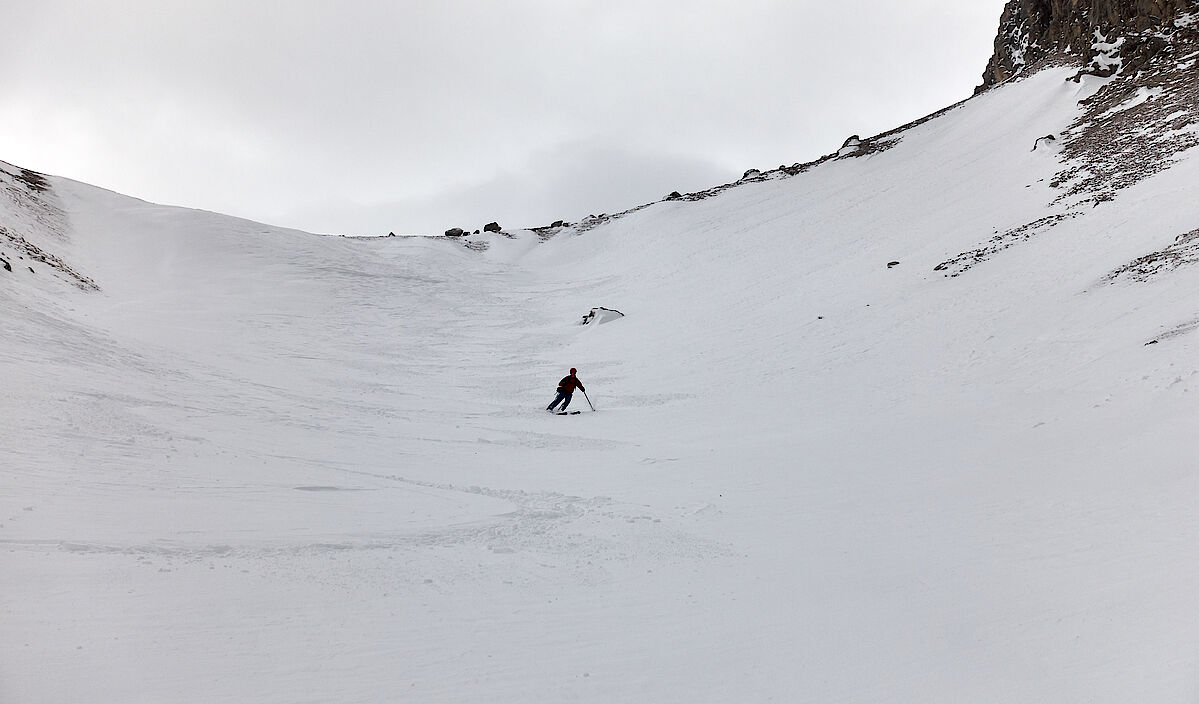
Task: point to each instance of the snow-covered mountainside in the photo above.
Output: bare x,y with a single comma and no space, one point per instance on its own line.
912,423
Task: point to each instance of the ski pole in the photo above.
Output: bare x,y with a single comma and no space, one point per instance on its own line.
589,403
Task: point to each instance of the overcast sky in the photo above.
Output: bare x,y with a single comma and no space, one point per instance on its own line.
369,116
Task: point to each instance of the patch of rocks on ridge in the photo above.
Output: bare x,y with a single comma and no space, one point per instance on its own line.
548,231
489,227
480,245
36,217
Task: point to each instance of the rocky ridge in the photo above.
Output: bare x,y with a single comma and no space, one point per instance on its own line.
1135,123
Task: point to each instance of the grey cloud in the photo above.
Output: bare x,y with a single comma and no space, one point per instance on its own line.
567,182
262,109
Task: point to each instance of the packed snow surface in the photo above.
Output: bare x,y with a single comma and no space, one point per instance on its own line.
264,466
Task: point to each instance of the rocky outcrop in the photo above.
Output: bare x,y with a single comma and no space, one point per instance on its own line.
1102,36
32,223
1183,252
601,315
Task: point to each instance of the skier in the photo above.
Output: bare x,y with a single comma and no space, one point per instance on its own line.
566,389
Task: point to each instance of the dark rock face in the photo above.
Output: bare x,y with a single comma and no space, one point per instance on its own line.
455,232
492,227
1103,36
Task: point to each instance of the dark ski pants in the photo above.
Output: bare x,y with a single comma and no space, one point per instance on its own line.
563,398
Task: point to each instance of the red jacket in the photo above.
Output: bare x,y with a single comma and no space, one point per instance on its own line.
569,384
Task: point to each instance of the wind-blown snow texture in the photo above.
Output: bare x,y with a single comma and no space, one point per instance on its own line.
263,466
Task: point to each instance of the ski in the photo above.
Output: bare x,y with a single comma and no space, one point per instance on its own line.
569,413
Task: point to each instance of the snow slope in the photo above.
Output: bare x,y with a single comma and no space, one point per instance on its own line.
264,466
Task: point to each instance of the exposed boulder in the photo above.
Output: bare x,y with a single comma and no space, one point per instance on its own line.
599,316
455,232
492,227
1047,139
851,145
